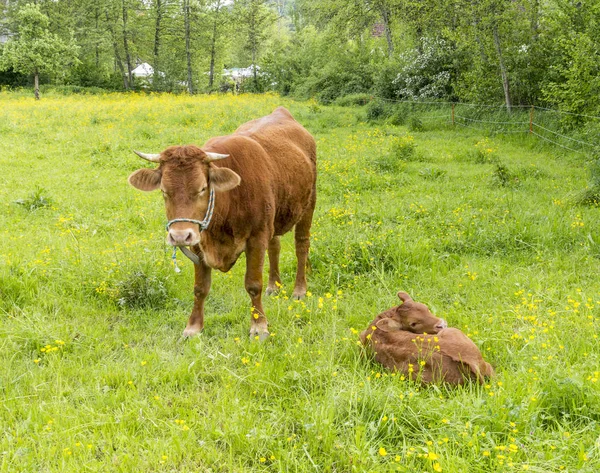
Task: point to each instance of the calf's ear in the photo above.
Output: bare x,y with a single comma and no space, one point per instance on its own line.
223,179
388,325
404,297
145,179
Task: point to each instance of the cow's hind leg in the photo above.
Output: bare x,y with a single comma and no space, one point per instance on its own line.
302,238
274,277
201,288
255,257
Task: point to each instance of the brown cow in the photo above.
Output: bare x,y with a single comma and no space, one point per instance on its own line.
439,354
261,182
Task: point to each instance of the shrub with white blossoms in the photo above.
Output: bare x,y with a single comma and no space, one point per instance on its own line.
427,73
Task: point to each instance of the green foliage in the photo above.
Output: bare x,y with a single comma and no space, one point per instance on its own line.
354,100
427,73
35,200
503,177
377,109
415,124
139,290
404,148
591,195
36,49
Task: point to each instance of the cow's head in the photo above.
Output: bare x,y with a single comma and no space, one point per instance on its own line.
185,176
413,317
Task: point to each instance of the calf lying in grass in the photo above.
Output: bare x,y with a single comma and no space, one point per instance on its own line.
411,340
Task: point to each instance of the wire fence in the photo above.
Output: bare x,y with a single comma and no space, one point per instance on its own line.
578,133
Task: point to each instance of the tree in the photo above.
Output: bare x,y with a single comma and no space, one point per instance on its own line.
218,19
255,17
36,50
188,47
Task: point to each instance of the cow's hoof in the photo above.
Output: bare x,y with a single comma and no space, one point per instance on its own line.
299,293
259,335
271,291
189,332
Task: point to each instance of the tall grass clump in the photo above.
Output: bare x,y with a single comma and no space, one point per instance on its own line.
591,195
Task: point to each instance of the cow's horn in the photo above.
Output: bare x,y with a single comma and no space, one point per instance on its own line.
154,158
215,156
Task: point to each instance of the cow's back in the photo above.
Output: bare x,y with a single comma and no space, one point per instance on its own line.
276,159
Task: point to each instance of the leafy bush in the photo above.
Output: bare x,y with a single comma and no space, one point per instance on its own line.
139,290
426,73
591,195
376,110
35,200
503,177
404,148
415,124
354,99
398,118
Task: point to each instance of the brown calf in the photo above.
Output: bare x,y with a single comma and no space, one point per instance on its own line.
416,343
263,178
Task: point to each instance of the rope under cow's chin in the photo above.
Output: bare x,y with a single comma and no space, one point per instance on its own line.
203,224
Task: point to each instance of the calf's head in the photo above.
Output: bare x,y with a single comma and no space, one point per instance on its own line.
185,176
411,316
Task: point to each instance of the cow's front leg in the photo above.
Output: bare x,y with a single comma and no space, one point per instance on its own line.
201,288
274,277
255,257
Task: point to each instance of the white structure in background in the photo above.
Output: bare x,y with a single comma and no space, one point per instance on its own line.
238,74
143,71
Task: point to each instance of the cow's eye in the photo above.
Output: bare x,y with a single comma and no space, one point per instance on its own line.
202,191
414,324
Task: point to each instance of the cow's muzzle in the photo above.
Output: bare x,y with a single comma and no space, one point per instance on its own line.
182,237
441,325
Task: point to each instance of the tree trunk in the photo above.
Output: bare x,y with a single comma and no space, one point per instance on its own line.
535,19
476,29
385,15
211,73
157,32
126,44
97,50
188,52
254,68
36,85
118,61
503,72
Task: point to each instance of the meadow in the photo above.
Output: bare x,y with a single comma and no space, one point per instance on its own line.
486,230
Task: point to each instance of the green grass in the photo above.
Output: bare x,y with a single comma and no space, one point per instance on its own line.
94,375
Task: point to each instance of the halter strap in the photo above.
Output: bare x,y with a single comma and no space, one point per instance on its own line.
203,224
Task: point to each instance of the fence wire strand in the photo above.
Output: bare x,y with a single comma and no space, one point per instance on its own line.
554,142
489,123
564,136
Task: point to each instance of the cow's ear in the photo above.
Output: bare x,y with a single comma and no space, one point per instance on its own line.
223,179
145,179
388,325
